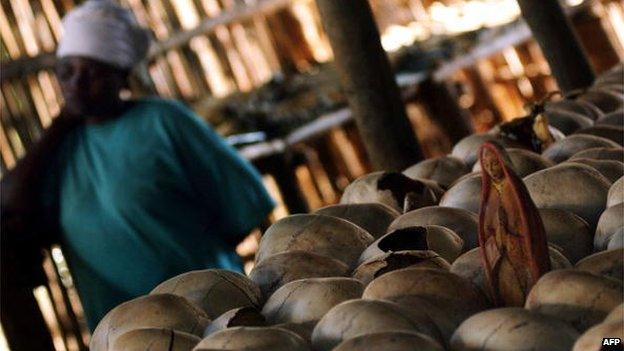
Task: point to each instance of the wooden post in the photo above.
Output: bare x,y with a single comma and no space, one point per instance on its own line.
369,84
286,179
292,48
554,34
282,167
441,103
483,98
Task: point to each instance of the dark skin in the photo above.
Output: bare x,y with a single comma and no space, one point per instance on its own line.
91,92
91,88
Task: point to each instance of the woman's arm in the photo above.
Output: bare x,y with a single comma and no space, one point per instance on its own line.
230,187
24,227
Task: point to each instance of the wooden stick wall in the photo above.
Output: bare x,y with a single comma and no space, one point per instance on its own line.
204,49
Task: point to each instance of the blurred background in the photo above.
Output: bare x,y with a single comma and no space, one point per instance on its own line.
259,71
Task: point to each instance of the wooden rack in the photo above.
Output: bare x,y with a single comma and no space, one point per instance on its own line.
500,38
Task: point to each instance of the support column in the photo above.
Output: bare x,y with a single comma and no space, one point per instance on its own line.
554,34
283,170
441,102
369,84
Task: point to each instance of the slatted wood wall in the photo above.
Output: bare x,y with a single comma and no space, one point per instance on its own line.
205,48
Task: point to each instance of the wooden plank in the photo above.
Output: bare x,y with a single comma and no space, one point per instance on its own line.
8,157
268,47
24,17
309,131
262,150
235,34
237,14
513,35
58,327
8,37
53,18
25,66
29,116
6,149
19,106
70,320
319,126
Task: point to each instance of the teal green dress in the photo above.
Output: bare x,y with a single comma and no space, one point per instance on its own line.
147,196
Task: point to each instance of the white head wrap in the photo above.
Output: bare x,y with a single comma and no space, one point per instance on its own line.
105,31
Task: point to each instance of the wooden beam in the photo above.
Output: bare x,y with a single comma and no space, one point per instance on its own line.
496,40
25,66
369,84
318,127
554,34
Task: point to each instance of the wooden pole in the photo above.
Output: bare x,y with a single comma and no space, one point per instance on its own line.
483,96
369,84
441,102
554,34
282,167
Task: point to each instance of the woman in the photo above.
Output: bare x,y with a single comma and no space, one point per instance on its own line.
141,190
